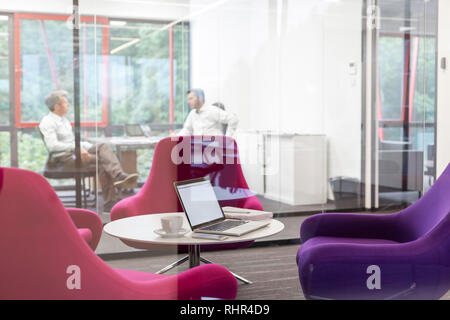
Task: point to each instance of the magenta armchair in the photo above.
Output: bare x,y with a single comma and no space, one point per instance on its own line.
45,257
215,156
88,224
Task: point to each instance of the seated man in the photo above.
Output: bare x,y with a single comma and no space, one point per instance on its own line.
207,119
60,142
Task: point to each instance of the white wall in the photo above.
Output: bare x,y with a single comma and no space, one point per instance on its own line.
443,106
342,88
283,66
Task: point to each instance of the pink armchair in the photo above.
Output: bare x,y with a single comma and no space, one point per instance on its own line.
184,158
89,225
45,257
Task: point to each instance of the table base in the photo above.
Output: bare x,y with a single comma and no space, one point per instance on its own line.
194,261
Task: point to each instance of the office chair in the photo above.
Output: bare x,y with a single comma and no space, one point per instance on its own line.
220,105
404,255
54,171
44,257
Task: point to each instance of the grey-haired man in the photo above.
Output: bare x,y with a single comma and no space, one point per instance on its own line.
60,141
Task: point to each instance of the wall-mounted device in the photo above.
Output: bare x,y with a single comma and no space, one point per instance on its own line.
352,69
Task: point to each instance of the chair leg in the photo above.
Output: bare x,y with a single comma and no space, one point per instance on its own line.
94,189
89,185
83,185
204,260
173,265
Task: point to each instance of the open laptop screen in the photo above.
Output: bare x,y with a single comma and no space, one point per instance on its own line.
199,202
134,130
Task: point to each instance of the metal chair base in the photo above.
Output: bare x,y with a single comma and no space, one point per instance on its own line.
194,261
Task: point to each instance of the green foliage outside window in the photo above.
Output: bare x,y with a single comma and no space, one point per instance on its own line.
391,69
32,152
138,79
5,155
140,73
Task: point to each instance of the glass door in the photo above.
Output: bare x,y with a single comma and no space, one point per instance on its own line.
400,144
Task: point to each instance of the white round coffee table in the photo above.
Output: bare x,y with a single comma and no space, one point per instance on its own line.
141,229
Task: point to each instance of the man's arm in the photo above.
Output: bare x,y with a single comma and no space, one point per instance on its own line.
230,119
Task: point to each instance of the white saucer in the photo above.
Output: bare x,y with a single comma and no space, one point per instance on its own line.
164,234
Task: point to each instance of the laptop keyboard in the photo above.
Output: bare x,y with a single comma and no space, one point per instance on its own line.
224,225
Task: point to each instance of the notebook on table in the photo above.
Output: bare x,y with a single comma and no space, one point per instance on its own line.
246,214
204,212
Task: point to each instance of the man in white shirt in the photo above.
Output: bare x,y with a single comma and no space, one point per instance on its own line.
205,119
60,141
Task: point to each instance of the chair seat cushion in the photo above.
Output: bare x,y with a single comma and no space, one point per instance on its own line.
319,241
338,240
86,234
329,269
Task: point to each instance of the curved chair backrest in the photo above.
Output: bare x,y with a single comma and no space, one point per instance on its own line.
427,212
43,256
38,130
39,241
184,158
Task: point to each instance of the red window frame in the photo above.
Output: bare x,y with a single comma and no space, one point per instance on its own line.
18,71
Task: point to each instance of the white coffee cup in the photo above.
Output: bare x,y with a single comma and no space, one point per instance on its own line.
172,224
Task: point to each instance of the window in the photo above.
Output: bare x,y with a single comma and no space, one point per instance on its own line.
148,72
45,61
144,81
5,154
421,91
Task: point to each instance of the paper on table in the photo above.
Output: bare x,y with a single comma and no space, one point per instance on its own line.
246,214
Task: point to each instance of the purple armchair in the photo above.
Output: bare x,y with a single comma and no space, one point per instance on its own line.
405,255
45,257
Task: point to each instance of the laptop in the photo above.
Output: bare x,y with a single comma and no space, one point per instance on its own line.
134,130
204,212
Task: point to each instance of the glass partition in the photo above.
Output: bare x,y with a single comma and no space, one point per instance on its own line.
407,100
335,100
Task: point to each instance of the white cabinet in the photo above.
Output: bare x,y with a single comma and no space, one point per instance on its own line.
290,168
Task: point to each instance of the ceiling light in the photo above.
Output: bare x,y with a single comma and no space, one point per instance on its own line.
117,23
